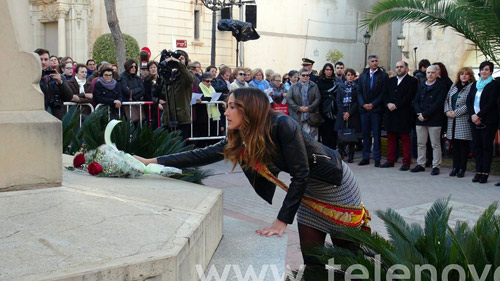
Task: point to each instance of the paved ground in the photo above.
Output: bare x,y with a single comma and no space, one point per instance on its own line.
411,194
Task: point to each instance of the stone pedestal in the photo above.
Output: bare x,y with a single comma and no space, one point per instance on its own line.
31,142
113,229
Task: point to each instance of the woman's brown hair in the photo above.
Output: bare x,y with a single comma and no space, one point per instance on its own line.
254,135
472,79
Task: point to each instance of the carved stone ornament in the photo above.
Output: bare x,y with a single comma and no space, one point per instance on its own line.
41,2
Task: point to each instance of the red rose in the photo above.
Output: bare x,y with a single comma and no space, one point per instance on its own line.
79,160
95,168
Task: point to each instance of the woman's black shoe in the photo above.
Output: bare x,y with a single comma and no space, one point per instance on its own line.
484,178
453,172
460,173
476,177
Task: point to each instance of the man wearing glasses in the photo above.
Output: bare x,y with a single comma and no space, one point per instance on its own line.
398,95
371,83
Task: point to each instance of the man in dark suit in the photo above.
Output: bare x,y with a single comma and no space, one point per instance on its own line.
371,83
398,95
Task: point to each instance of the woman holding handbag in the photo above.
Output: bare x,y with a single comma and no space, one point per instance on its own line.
323,191
348,120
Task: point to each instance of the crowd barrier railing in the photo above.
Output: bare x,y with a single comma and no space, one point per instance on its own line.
69,103
209,137
132,103
149,103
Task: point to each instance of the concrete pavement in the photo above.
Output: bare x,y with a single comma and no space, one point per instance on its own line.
410,194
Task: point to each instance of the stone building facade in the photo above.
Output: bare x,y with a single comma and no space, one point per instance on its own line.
440,45
289,30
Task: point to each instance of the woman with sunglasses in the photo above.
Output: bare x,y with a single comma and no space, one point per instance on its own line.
265,143
304,101
482,106
132,89
239,79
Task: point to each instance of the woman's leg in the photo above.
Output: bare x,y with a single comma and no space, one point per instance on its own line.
478,149
456,151
488,138
311,238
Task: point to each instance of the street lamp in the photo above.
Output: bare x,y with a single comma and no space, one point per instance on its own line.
214,5
367,37
401,43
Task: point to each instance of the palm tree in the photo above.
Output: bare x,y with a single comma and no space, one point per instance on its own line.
476,20
436,244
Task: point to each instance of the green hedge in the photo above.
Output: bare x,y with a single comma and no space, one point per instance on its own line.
104,48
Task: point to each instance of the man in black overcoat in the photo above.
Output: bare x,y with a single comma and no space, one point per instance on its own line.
398,95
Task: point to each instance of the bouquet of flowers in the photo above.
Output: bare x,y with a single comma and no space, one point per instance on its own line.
108,161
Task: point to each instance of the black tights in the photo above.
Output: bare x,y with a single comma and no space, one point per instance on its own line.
311,238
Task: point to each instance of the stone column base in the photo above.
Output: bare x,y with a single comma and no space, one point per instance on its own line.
30,150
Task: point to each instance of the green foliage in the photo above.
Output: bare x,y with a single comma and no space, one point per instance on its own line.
70,123
437,244
133,139
334,55
476,20
105,50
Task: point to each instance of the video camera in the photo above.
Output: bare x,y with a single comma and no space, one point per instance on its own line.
48,71
165,68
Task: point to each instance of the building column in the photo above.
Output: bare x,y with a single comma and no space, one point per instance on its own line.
61,34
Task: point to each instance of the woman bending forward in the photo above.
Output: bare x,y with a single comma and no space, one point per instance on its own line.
323,191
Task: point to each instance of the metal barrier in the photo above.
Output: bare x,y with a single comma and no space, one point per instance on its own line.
149,103
68,104
209,137
132,103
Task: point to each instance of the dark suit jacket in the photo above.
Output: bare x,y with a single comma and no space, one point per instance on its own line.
374,95
488,103
400,120
430,102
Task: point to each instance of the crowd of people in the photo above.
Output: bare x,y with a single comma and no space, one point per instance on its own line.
339,107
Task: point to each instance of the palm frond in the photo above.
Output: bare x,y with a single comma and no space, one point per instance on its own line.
475,20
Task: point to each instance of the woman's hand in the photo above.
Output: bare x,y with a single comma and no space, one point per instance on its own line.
277,228
474,118
451,114
89,95
146,161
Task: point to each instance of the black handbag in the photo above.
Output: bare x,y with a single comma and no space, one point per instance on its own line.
346,135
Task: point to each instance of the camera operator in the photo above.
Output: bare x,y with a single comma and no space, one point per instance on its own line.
176,90
54,89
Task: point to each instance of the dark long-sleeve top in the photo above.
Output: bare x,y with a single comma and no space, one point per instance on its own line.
105,96
430,102
131,83
400,120
488,104
295,154
373,95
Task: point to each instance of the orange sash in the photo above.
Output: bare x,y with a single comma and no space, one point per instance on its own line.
339,214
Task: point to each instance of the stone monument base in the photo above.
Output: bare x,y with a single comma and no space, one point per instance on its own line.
30,140
95,228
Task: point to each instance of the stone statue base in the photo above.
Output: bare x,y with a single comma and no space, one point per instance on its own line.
30,148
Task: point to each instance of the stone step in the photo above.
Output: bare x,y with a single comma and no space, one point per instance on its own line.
242,252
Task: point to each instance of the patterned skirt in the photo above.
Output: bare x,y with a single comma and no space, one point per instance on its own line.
346,194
